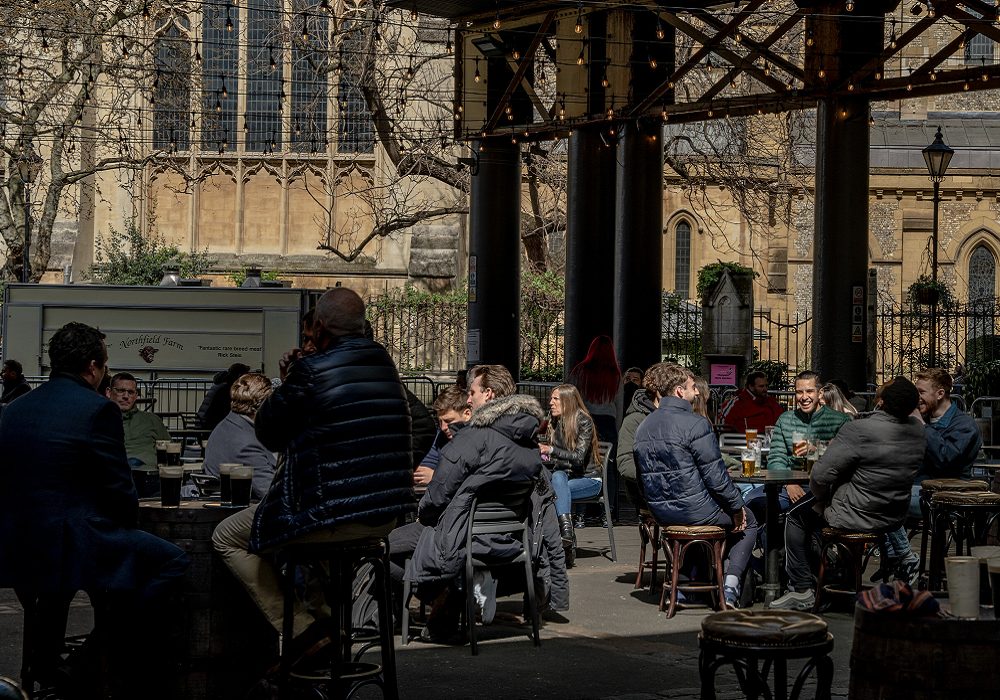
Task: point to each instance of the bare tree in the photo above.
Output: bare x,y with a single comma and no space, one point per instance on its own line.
71,73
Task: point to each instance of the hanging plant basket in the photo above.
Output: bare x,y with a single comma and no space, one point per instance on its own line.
927,296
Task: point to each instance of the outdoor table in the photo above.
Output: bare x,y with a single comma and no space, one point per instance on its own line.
224,642
773,481
924,657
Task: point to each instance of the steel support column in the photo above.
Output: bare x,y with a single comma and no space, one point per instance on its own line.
590,242
840,248
495,257
639,245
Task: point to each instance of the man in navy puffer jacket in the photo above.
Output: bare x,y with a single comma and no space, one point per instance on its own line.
342,420
681,472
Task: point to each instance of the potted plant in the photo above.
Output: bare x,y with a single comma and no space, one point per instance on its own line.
928,292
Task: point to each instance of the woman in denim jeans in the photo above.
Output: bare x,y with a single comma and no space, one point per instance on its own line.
572,442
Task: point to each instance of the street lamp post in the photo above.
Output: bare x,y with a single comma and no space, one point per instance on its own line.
937,156
29,164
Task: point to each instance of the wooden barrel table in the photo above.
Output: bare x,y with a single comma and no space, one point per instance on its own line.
899,657
224,642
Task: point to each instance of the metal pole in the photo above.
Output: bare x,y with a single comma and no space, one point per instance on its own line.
26,254
932,344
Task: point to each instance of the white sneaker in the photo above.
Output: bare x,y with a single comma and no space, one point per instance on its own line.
484,590
794,601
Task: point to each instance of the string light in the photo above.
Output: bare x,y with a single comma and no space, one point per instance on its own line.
661,33
578,27
477,77
652,62
850,6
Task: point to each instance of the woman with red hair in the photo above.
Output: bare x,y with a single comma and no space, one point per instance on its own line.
598,378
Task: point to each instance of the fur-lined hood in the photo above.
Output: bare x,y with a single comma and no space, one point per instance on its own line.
490,412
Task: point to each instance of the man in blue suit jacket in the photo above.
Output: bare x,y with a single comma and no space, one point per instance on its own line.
68,507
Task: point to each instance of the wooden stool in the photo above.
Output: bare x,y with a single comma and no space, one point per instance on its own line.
676,539
927,489
967,517
649,533
854,546
745,638
346,673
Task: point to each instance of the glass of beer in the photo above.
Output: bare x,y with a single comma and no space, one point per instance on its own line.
173,454
170,486
161,451
799,443
751,434
241,479
225,483
749,462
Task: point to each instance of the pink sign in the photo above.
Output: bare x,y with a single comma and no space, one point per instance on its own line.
723,374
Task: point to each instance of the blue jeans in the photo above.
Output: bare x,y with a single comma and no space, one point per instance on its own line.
567,490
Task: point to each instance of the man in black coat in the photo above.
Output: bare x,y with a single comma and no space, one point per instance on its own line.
497,444
341,418
68,507
14,383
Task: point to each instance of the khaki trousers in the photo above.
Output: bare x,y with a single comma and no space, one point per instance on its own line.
259,575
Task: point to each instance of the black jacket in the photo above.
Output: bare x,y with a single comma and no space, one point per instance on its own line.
342,419
14,389
497,444
573,458
68,507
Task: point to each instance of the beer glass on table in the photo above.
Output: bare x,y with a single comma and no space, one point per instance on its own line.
800,447
170,486
173,454
225,483
749,459
241,480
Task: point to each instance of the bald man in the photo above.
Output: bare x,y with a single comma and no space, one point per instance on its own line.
342,420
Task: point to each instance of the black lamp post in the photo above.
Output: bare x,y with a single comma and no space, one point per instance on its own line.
29,164
938,157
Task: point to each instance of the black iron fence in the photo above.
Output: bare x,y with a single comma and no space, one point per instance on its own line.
966,334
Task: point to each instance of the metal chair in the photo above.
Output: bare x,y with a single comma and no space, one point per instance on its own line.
503,508
597,471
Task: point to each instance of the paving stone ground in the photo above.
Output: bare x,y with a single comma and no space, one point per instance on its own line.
614,645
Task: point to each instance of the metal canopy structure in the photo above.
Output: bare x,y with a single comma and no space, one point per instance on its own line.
564,64
591,69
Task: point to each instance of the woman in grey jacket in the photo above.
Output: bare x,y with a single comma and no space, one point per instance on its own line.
572,443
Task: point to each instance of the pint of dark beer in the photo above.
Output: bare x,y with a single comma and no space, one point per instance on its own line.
170,486
173,454
241,478
161,451
225,484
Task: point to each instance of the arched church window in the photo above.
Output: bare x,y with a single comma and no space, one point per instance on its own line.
682,259
982,275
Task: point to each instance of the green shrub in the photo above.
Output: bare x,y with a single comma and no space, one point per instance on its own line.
776,371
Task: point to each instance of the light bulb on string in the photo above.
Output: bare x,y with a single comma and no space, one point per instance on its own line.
652,62
661,33
229,20
580,59
225,92
578,27
305,28
413,14
477,77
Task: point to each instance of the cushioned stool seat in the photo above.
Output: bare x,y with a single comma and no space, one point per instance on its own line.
967,516
928,488
854,545
745,638
337,564
676,541
932,485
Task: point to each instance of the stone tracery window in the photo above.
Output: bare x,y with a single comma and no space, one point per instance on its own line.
982,275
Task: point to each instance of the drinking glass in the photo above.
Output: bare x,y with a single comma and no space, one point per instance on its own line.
225,485
170,486
749,456
241,478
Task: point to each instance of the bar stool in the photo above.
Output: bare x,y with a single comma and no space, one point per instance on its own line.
745,638
927,489
676,540
967,517
341,560
649,534
853,545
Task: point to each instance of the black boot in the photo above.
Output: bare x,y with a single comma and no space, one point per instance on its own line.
568,534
